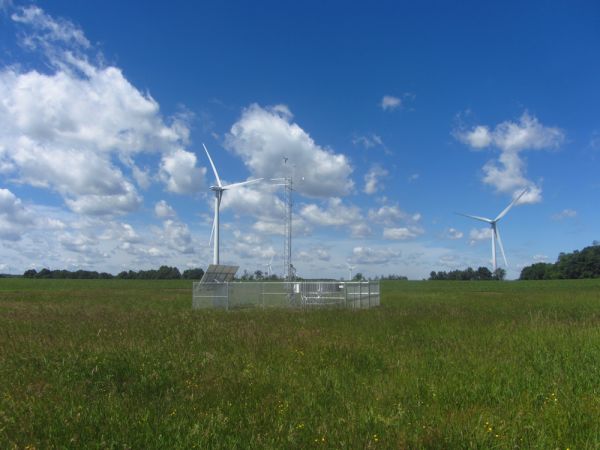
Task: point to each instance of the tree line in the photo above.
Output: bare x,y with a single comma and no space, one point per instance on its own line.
258,275
168,273
578,264
162,273
481,274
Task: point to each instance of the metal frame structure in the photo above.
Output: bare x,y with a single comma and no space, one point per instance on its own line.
288,268
287,246
298,294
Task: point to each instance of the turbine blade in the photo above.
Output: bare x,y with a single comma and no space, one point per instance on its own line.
501,246
213,166
234,185
508,208
212,232
482,219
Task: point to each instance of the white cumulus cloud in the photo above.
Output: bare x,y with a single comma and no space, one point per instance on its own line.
479,234
163,210
453,234
360,230
402,233
275,226
392,214
389,102
336,214
369,255
66,128
122,202
49,29
367,141
266,137
250,245
479,137
507,174
15,218
372,179
121,232
565,214
256,199
176,236
179,172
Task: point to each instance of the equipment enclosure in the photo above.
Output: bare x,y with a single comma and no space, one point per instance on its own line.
300,294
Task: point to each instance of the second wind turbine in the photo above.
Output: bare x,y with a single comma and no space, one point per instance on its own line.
495,232
218,189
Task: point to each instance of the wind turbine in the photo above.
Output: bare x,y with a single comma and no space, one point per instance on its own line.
218,190
495,232
350,269
269,267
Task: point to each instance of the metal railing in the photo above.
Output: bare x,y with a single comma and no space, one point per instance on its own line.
302,294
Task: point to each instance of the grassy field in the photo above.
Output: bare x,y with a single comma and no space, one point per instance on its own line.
128,364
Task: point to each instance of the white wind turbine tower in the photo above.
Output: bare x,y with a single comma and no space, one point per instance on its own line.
218,190
495,232
269,267
350,269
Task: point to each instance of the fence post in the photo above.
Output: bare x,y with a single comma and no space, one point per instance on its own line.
359,294
227,296
369,295
345,295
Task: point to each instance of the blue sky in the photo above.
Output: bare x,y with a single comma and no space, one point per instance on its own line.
396,116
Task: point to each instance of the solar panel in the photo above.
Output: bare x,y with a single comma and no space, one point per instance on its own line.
217,273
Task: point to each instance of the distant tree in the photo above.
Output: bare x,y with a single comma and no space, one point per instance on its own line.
358,277
31,273
499,274
393,277
258,275
164,272
168,273
127,275
538,271
483,273
193,274
578,264
44,273
246,276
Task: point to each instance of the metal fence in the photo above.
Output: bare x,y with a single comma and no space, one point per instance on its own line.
301,294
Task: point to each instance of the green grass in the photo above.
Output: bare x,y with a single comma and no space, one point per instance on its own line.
128,364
